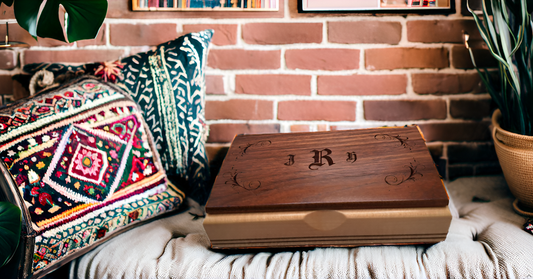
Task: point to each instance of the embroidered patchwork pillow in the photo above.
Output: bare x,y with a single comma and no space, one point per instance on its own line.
83,166
169,85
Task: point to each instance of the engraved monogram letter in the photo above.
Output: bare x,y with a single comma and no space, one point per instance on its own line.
352,157
291,160
318,158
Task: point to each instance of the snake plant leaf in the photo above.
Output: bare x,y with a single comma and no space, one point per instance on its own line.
487,14
493,46
505,40
7,2
507,28
10,227
520,12
83,18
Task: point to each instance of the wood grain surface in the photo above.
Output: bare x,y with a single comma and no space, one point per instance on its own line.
367,168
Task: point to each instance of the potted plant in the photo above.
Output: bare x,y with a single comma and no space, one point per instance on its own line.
506,28
10,228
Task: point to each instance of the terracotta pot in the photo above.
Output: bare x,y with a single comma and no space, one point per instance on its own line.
515,153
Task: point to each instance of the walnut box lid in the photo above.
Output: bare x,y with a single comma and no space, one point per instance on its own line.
355,169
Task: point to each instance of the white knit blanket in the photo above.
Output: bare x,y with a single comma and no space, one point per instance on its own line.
485,240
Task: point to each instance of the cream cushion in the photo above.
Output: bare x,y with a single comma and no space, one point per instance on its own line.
485,240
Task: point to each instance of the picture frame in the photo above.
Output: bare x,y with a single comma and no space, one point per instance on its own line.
385,6
204,5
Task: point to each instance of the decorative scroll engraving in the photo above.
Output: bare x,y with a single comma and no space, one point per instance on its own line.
254,185
256,144
404,141
393,180
352,157
318,158
291,160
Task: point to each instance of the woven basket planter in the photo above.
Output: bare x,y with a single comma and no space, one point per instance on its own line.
515,153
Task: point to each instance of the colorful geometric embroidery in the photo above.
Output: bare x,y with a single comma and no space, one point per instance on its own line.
86,154
84,165
101,224
88,164
168,83
42,110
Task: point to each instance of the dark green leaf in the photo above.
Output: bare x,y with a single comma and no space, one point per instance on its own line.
83,18
26,13
7,2
49,25
10,227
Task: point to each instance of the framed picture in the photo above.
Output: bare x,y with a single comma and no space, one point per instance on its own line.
418,6
205,5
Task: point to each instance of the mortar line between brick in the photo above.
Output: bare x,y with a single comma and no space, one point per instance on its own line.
314,86
470,96
448,114
347,98
63,48
207,20
329,45
403,39
108,36
240,41
286,11
282,64
230,85
361,67
362,71
325,37
370,123
450,57
285,19
409,89
359,112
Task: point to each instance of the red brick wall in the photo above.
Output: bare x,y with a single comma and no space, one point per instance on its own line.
289,72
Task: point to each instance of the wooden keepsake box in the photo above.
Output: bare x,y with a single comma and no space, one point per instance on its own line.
342,188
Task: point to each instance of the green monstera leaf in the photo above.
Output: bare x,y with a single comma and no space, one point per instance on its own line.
83,18
10,227
7,2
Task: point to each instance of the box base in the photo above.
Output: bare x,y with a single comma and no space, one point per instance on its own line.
328,228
